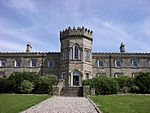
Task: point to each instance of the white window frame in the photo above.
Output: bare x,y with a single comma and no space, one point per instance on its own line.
98,63
31,62
116,74
2,63
52,62
116,64
16,63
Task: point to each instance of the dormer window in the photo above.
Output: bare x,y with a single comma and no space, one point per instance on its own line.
2,63
76,52
118,63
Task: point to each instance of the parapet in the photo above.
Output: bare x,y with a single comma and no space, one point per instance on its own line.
76,32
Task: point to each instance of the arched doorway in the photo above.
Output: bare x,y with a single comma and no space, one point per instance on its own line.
76,78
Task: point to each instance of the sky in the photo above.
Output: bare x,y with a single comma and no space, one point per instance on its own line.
40,22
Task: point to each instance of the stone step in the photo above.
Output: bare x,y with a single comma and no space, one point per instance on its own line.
72,91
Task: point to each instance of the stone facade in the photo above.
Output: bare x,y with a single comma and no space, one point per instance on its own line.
75,61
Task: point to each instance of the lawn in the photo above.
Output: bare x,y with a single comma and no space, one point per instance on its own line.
16,103
123,103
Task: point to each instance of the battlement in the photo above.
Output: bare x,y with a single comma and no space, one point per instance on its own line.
76,32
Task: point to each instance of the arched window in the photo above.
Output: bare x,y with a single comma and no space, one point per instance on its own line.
76,52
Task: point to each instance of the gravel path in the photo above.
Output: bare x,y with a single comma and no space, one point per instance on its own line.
58,104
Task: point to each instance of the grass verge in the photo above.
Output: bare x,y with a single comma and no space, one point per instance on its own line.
16,103
123,103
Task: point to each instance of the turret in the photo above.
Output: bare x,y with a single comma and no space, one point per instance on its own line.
29,48
122,48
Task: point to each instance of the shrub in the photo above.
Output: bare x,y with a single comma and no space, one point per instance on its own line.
4,86
16,78
143,82
26,86
45,84
134,89
103,85
125,83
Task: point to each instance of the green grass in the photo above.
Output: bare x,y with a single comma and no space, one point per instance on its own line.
16,103
123,103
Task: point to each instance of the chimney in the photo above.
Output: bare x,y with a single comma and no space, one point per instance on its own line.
122,48
29,48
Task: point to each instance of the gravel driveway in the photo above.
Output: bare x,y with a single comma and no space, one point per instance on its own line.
59,104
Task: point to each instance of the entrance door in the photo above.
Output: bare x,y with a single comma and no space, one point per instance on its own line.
76,75
76,80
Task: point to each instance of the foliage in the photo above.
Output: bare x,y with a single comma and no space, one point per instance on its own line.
125,83
26,86
45,84
135,89
103,85
16,78
4,86
142,81
17,103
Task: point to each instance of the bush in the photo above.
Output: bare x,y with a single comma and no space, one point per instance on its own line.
103,85
26,86
125,83
16,78
143,82
5,86
45,84
134,89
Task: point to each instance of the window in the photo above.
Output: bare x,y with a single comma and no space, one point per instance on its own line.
17,63
118,63
87,76
33,62
2,63
87,55
100,64
118,74
64,55
76,52
135,74
135,63
101,74
149,63
63,75
2,74
51,63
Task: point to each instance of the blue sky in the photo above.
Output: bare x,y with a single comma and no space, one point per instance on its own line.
40,21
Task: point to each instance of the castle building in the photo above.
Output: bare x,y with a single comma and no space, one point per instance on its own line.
75,62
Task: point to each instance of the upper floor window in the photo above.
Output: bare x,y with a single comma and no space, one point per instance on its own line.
135,63
76,52
118,63
33,62
149,63
50,63
2,63
100,64
87,76
17,63
87,55
64,55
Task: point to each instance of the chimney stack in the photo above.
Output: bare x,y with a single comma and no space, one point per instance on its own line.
122,48
29,48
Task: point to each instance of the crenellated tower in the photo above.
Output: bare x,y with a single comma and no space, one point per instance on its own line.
76,55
